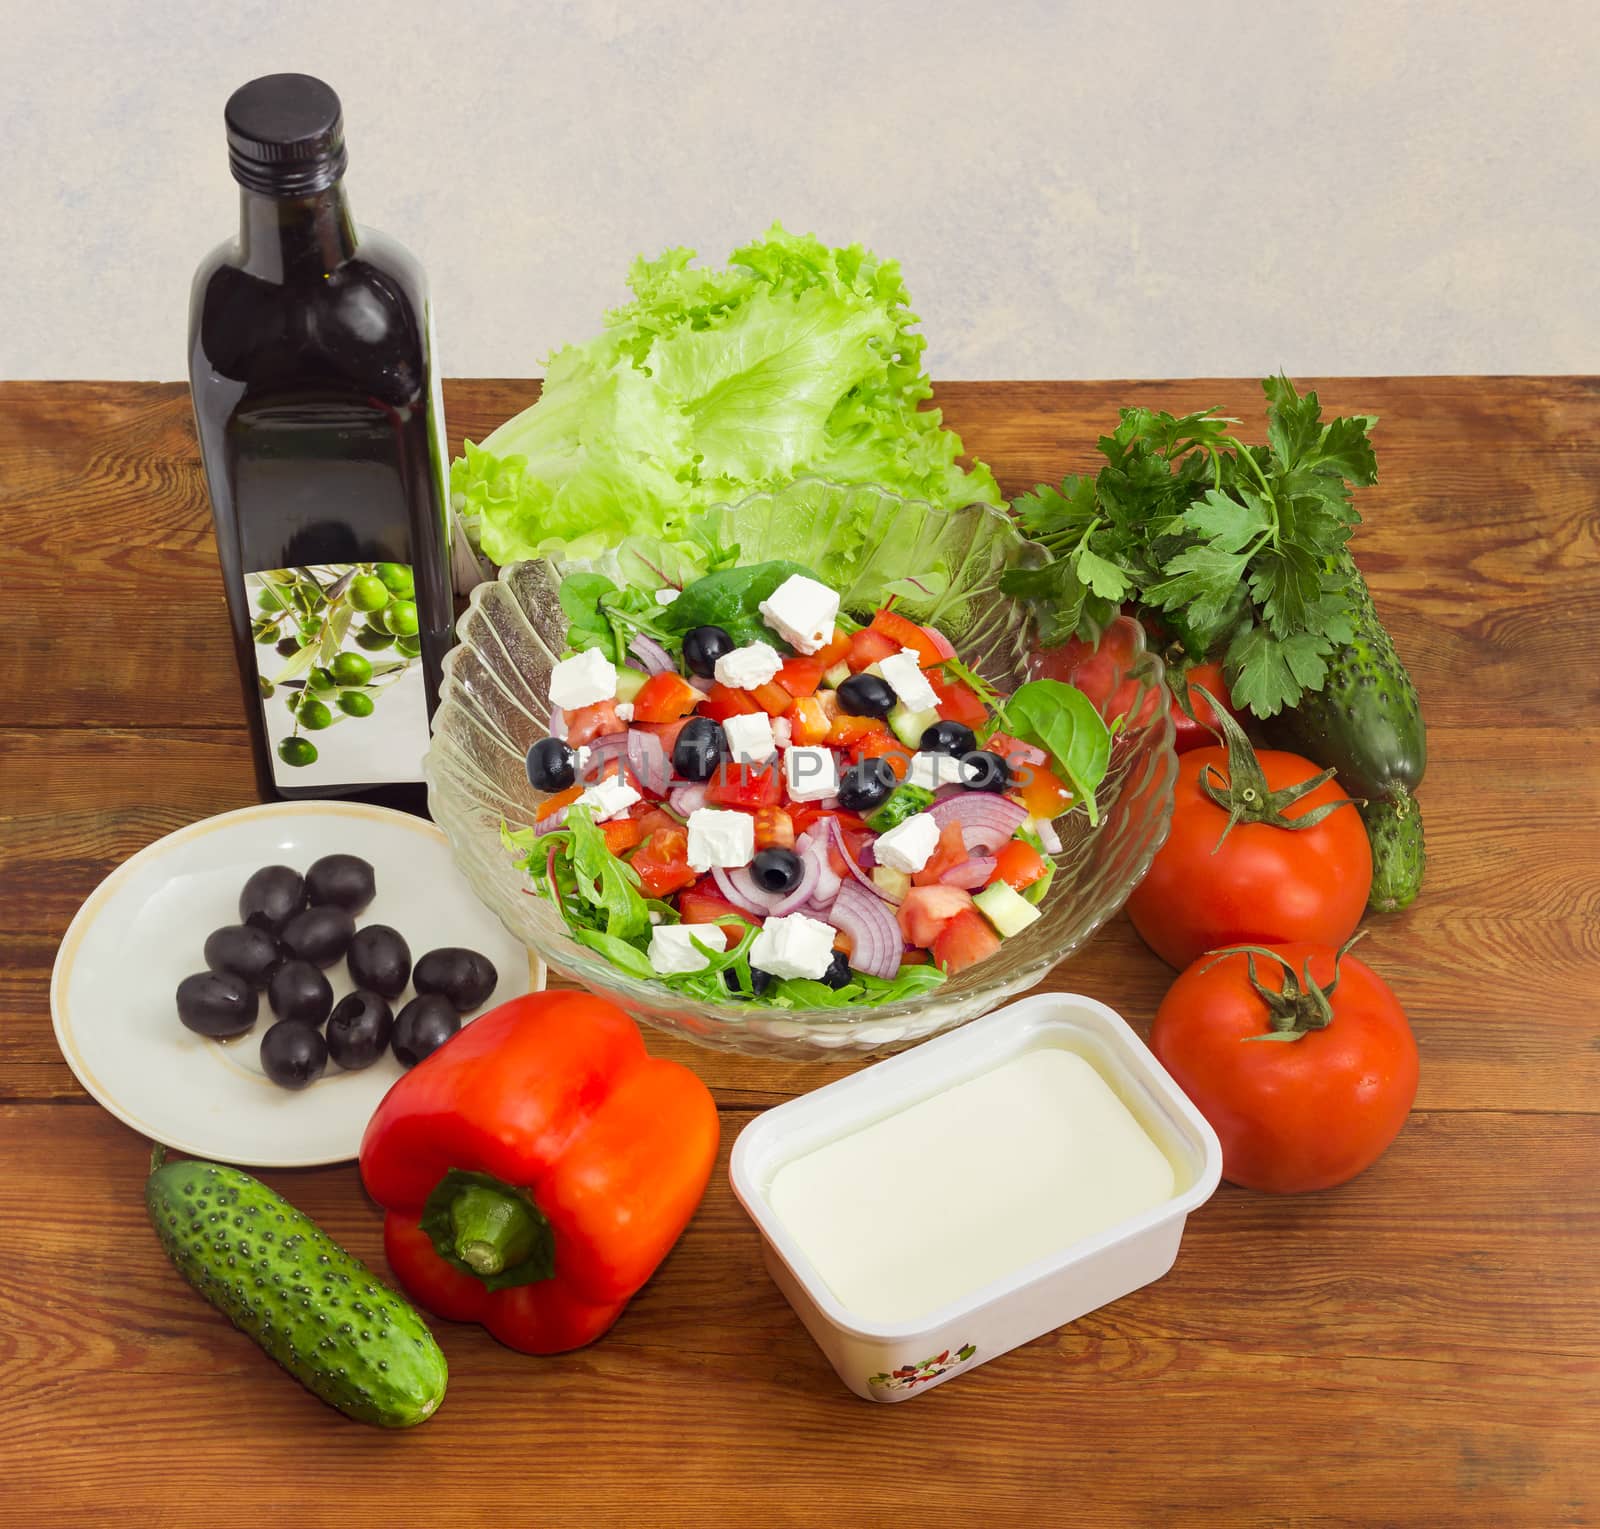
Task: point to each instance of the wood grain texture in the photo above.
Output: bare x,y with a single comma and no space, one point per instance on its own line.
1420,1347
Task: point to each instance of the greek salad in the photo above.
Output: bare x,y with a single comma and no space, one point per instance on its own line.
749,793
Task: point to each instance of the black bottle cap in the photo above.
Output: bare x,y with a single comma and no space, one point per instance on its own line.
285,135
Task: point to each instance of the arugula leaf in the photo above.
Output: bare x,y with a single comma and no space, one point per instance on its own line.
730,598
954,669
607,884
625,957
1065,724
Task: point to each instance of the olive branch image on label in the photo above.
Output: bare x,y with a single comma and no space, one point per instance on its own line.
307,615
909,1376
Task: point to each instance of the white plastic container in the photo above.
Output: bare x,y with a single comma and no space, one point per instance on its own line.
890,1362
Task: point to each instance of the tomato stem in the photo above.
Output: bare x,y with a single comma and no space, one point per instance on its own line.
1301,1005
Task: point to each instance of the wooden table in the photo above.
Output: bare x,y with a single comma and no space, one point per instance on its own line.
1419,1347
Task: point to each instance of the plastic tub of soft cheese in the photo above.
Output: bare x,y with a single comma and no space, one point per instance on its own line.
937,1209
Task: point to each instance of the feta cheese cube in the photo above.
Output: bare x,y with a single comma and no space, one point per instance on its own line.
795,946
754,664
930,771
582,680
811,774
672,948
667,596
610,798
718,838
909,845
625,710
903,670
802,612
750,737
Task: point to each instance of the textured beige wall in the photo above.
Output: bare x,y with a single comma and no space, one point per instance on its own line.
1115,189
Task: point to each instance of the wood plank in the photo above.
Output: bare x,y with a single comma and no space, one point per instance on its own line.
1396,1369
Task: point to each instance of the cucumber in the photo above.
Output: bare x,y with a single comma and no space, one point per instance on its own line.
318,1311
908,725
1005,908
630,682
1394,829
1366,722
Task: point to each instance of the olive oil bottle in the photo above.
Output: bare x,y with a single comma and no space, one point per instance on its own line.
316,400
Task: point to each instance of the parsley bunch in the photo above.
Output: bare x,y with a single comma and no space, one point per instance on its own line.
1237,547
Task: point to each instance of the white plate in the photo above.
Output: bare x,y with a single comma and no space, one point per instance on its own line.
142,930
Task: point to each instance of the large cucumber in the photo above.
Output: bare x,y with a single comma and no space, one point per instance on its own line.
316,1309
1366,722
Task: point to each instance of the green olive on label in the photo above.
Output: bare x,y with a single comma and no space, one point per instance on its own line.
401,618
373,640
397,579
410,646
287,647
319,679
351,669
367,593
297,752
265,686
376,622
313,714
355,703
271,600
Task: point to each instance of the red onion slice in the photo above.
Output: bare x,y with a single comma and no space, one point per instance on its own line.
549,825
742,892
558,723
604,752
850,861
652,656
987,821
687,799
1048,837
970,874
811,867
875,940
647,758
701,683
1020,753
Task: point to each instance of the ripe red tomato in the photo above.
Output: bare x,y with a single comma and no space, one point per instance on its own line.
870,646
662,862
905,633
956,700
591,722
966,940
1018,864
665,698
745,785
703,903
1292,1115
1192,732
926,910
1261,883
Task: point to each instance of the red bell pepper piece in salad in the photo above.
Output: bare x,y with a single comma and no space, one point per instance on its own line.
537,1168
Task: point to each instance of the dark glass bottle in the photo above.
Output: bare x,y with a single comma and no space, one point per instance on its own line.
311,364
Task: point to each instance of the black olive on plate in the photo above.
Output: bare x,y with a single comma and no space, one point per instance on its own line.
552,766
422,1027
760,981
359,1029
244,950
272,897
463,976
300,992
776,870
866,695
953,738
985,771
380,959
293,1054
341,881
838,974
703,646
319,935
700,749
218,1004
865,785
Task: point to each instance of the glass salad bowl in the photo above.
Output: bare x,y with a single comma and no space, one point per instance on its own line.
857,538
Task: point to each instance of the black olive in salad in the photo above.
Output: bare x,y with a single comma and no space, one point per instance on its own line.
866,695
776,869
760,981
953,738
552,766
866,784
838,974
703,646
700,749
985,771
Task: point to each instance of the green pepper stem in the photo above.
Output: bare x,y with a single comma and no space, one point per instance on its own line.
493,1230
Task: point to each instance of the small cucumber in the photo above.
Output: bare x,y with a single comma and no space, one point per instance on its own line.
908,725
318,1311
630,682
1394,829
1005,908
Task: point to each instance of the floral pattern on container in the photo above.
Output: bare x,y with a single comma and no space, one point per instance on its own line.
909,1376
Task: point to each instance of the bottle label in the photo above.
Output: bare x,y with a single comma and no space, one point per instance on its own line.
339,673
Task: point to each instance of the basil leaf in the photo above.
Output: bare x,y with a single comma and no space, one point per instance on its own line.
730,598
1063,721
581,595
901,803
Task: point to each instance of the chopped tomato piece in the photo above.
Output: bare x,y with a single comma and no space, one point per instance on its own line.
621,834
966,940
870,646
951,852
553,804
662,862
903,632
590,722
774,828
703,903
772,698
745,785
941,644
911,956
808,722
836,651
1015,752
1041,791
847,730
1018,864
957,701
665,698
800,676
650,817
884,745
926,910
808,814
722,702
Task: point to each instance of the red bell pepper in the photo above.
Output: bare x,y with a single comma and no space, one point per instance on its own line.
537,1168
